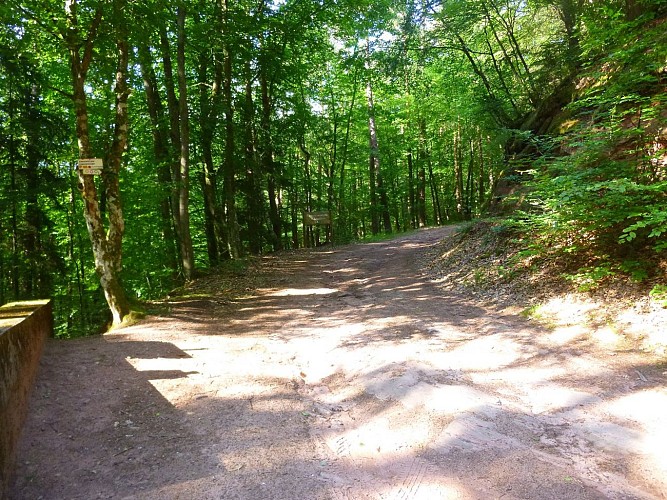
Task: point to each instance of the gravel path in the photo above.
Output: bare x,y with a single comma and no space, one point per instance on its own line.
348,375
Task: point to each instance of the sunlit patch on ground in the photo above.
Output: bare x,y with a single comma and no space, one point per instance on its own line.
308,291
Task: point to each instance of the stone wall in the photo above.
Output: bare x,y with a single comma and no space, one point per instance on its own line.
24,327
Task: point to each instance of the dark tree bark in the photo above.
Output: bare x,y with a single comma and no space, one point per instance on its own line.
412,203
207,124
458,172
268,163
161,153
187,256
229,170
254,196
341,208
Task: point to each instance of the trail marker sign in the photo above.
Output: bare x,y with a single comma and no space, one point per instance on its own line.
90,166
322,218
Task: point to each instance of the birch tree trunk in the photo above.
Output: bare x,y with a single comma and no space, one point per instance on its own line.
106,245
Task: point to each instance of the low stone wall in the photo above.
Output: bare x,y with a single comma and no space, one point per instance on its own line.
24,327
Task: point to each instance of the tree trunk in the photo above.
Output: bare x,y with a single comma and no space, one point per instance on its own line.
207,123
374,160
187,256
421,174
470,191
106,245
268,162
342,207
38,279
411,192
229,171
458,172
174,137
254,196
161,153
481,188
384,203
13,157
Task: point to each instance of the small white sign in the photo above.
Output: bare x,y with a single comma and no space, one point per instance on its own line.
90,163
91,171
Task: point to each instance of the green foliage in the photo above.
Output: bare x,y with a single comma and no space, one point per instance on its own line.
603,189
659,293
589,278
455,90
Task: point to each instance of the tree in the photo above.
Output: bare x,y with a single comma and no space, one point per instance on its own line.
107,245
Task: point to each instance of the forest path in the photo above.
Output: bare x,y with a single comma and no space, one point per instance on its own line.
347,375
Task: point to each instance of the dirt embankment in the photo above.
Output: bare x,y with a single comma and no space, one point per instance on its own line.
345,373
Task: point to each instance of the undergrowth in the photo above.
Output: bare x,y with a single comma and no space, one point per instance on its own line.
503,261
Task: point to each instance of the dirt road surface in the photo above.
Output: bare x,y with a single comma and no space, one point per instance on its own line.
347,375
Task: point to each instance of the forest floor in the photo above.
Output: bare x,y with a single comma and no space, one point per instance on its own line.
346,373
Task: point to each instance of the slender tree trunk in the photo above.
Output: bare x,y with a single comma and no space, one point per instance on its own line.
434,194
509,28
411,192
342,207
185,240
174,138
458,172
161,153
15,270
421,174
254,196
374,160
268,161
207,123
384,202
481,187
501,77
37,280
470,191
507,57
229,170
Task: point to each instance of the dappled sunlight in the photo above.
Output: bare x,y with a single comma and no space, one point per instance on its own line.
573,318
451,400
429,489
358,383
380,438
648,410
608,337
175,378
565,334
471,433
342,270
519,375
484,353
565,310
544,397
308,291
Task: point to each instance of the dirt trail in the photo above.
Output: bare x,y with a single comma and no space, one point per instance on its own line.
350,376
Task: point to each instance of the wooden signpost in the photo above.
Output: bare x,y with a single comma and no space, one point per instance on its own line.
316,219
322,218
90,166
